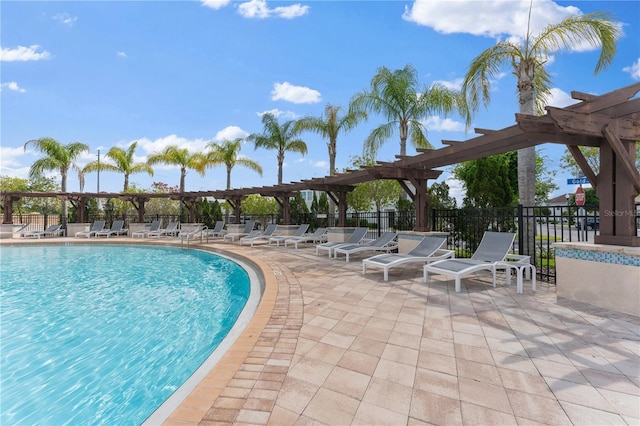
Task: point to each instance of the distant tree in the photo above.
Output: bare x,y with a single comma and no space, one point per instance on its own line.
399,98
257,205
181,157
323,203
298,209
527,57
15,184
123,162
57,157
592,155
162,206
281,138
375,193
545,184
487,182
227,153
439,197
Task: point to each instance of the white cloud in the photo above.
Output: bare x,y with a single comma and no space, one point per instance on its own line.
158,145
22,53
10,161
490,18
634,70
290,12
296,94
121,54
230,133
65,18
215,4
12,85
320,164
260,10
436,123
452,85
560,99
278,113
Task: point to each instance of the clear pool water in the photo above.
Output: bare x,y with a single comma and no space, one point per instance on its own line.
104,334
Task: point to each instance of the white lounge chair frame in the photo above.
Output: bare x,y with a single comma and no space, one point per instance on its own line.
97,226
155,226
171,229
317,236
248,230
265,235
356,237
117,228
218,230
429,249
51,231
490,255
385,242
302,229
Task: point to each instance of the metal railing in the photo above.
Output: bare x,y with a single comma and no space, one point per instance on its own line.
465,227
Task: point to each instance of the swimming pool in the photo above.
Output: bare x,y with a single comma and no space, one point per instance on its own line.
104,334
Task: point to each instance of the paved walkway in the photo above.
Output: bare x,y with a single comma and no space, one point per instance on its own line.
344,348
331,346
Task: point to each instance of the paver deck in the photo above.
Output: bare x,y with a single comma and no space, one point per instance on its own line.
333,346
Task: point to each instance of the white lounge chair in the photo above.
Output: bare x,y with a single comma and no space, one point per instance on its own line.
317,236
217,231
490,255
248,229
277,239
155,225
385,242
191,231
171,229
51,231
356,237
117,228
97,226
265,235
429,249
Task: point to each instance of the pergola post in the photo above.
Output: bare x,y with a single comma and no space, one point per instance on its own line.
7,214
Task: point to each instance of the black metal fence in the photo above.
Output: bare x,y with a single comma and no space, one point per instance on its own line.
465,227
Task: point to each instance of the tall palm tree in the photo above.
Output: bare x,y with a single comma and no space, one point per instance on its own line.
281,138
399,98
329,127
123,164
57,157
527,58
227,153
181,157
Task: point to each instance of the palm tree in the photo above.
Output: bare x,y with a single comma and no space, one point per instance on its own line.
227,153
281,138
533,81
181,157
123,164
57,157
397,96
329,127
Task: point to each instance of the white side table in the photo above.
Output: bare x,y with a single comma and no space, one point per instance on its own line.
524,268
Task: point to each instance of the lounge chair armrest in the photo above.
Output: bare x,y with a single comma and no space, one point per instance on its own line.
518,258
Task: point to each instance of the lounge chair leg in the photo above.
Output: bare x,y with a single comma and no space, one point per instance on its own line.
457,284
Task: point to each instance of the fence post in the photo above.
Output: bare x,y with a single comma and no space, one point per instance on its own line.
520,230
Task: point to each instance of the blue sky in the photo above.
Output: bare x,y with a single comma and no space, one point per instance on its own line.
108,73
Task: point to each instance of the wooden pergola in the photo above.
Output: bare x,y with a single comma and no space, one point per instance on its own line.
610,122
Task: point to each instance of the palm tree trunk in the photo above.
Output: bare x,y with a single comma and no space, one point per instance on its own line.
228,177
527,163
63,188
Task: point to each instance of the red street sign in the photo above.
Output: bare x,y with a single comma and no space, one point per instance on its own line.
580,197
